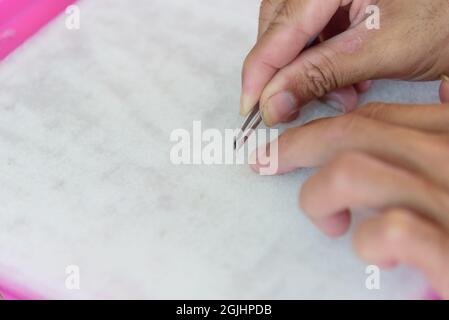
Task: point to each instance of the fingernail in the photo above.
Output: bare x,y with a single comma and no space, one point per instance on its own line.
445,78
279,107
246,104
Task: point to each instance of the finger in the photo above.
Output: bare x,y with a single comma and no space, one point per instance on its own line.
348,58
356,180
335,225
268,11
318,142
401,236
444,89
363,86
430,118
298,22
343,100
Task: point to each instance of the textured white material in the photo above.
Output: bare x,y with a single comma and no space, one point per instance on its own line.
85,176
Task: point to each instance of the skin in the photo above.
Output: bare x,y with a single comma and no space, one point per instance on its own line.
392,158
283,76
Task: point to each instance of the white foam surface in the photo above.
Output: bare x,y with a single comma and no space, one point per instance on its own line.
86,179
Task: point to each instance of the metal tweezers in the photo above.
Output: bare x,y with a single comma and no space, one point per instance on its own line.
252,121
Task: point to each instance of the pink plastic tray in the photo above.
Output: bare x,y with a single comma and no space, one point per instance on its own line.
21,19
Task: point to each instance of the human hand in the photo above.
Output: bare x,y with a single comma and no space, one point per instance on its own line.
412,44
393,158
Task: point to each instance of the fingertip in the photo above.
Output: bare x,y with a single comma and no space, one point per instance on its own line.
334,226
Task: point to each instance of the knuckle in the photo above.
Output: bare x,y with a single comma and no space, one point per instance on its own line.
344,168
399,227
318,78
288,9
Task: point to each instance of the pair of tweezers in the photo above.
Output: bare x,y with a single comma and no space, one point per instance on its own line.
252,121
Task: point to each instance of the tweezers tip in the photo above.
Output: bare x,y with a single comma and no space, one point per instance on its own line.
250,124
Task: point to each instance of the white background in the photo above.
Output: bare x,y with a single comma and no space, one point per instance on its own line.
85,176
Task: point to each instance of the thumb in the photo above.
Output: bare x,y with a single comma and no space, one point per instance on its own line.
295,24
351,57
444,89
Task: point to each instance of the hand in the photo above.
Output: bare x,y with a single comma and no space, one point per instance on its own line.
412,44
393,158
